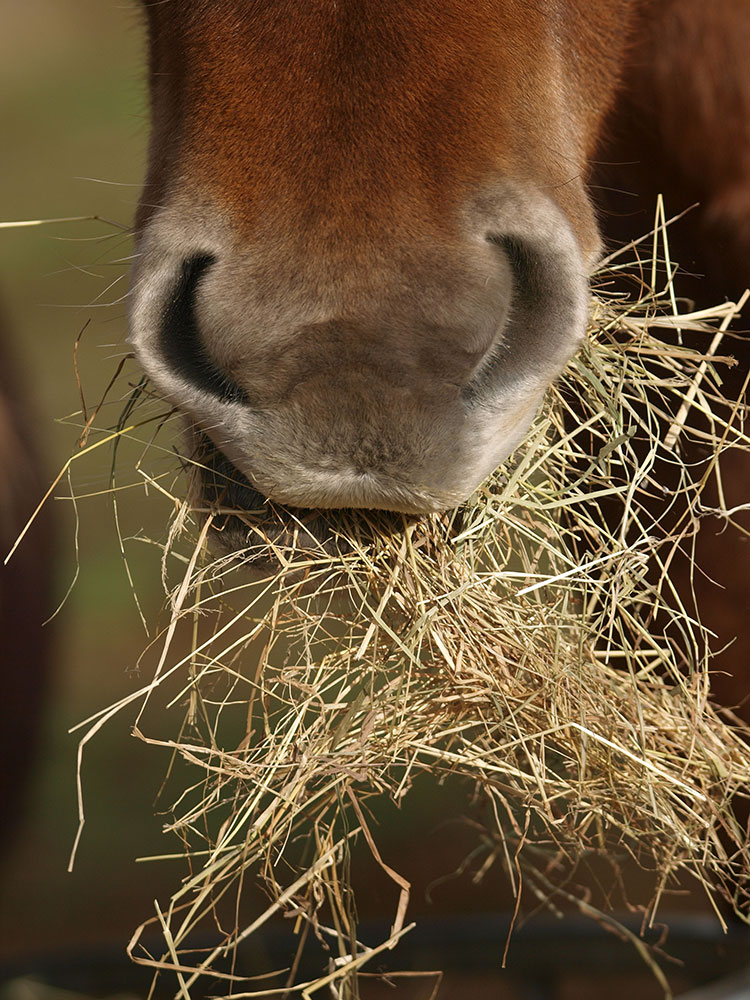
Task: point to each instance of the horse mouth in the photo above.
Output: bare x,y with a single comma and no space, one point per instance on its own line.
269,535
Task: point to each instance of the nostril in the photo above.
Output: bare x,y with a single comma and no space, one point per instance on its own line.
545,319
532,279
529,279
180,338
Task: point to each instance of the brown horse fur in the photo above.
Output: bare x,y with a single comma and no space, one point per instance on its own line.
681,127
375,217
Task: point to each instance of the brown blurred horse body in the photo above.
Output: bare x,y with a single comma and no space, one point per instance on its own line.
25,596
681,127
368,225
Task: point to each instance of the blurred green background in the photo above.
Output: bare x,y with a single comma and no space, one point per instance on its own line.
73,109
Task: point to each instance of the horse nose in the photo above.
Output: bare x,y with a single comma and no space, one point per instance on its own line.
395,377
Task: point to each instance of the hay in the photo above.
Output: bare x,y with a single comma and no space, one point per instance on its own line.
531,644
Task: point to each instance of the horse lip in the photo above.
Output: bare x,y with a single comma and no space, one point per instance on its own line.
260,531
244,521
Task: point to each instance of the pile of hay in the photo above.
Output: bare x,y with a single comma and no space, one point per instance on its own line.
531,644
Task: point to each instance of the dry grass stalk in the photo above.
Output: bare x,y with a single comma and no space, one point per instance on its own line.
531,643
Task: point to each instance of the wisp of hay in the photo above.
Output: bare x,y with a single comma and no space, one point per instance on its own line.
530,644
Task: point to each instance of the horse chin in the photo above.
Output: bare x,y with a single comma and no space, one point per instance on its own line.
267,535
